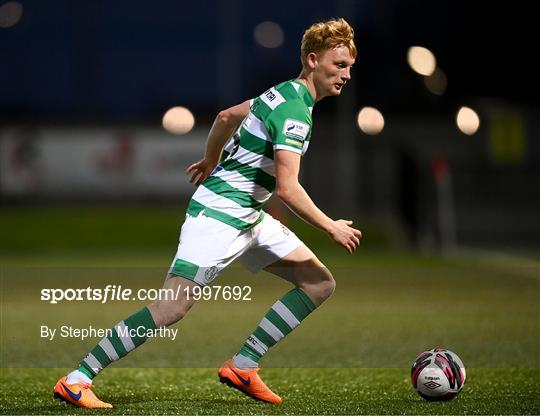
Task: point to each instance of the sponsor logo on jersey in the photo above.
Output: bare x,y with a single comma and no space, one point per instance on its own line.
295,129
269,95
272,98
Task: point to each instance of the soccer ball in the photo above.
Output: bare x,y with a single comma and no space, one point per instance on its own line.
438,374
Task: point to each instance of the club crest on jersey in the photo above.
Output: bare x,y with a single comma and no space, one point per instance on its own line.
211,273
295,129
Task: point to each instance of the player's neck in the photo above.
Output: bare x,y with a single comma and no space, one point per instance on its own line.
308,82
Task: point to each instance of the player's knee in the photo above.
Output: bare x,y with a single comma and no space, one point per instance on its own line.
177,312
322,287
327,285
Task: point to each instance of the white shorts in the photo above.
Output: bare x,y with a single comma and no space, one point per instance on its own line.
207,246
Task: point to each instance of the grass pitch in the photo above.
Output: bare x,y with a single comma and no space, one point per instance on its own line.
351,357
305,391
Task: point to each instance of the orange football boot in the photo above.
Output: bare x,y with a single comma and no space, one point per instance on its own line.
248,381
79,394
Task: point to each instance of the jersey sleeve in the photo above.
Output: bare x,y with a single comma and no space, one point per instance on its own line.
289,126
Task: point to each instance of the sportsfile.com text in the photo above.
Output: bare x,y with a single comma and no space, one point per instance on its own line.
114,292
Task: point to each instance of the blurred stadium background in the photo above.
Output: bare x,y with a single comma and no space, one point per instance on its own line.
433,149
86,84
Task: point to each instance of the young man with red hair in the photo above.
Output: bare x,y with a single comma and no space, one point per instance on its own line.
253,150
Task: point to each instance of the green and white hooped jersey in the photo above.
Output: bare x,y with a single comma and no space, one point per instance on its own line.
236,191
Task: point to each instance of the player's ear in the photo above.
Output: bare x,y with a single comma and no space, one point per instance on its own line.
311,60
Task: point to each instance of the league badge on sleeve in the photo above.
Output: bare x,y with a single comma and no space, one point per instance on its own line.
295,129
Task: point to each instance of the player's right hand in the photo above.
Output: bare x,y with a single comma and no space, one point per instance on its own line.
345,235
200,170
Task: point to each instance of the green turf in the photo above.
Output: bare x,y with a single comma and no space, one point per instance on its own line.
306,392
350,357
96,227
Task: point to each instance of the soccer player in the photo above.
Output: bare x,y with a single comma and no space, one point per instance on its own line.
253,150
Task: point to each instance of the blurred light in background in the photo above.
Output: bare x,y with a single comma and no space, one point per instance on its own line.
178,120
421,60
269,34
436,82
10,14
467,120
370,121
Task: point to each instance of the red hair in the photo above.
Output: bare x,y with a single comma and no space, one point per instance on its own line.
327,35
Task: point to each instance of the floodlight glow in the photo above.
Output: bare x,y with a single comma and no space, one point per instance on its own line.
467,120
178,120
421,60
370,121
10,14
269,34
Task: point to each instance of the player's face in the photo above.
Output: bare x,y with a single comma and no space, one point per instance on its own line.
332,71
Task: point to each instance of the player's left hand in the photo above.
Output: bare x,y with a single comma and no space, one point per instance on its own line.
345,235
200,170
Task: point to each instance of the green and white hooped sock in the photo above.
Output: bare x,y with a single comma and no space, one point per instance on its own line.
115,346
285,315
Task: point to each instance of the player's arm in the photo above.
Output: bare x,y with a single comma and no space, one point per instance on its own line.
291,192
224,126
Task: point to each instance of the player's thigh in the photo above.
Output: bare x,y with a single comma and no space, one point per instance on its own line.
206,247
271,242
279,251
301,267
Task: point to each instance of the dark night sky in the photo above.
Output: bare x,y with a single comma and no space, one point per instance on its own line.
123,60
